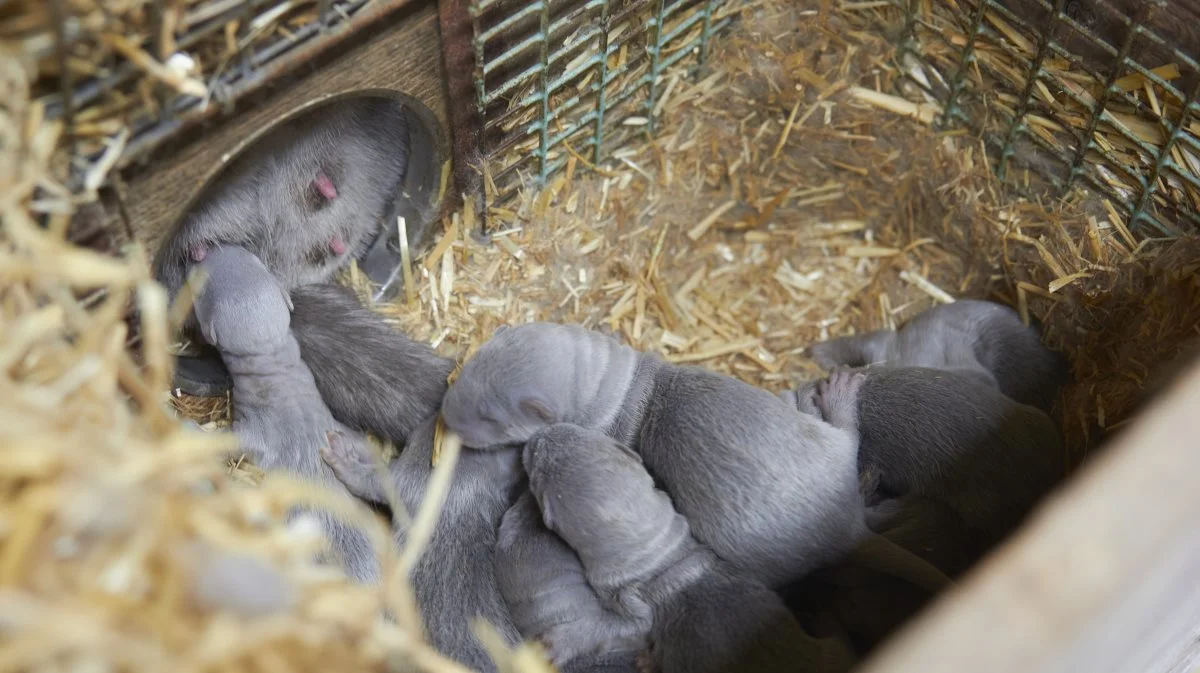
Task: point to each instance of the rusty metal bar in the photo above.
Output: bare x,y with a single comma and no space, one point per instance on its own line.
1164,158
292,54
958,82
544,86
462,87
601,86
655,51
66,81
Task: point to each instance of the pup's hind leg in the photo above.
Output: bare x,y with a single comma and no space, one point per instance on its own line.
804,399
837,398
354,466
854,351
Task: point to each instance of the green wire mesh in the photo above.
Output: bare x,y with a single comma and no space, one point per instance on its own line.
1151,184
561,78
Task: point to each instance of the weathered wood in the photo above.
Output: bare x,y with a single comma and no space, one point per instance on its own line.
309,50
1105,577
405,57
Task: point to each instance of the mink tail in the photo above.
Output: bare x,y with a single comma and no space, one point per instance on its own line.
880,554
373,377
617,662
454,579
728,624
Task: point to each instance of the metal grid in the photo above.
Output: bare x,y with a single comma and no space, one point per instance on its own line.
1154,185
554,79
262,55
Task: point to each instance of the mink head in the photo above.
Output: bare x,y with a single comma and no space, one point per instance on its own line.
242,309
517,383
588,486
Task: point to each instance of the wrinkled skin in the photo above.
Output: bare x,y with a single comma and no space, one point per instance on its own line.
650,574
279,417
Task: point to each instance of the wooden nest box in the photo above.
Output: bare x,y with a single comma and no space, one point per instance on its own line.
176,144
508,86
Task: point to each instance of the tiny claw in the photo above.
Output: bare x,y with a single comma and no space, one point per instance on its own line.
325,186
337,246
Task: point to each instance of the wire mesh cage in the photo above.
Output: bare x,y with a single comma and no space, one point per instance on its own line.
1087,93
124,76
556,81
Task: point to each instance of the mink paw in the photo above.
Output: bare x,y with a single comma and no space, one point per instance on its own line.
837,397
353,465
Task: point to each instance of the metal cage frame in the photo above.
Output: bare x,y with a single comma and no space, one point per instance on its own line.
542,77
1151,206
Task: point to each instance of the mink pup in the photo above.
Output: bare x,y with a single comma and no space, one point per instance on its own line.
771,491
544,585
373,377
638,555
306,199
946,435
279,417
969,334
865,607
454,580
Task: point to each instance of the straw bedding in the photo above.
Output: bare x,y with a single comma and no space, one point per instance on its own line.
780,203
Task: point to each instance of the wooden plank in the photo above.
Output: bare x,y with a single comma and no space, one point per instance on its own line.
404,57
1105,577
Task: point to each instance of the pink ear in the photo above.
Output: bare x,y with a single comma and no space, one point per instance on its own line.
337,246
198,252
325,186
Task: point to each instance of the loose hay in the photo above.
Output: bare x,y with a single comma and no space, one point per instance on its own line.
777,205
128,541
780,203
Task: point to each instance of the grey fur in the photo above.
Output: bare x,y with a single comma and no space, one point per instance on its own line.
372,377
866,607
542,580
640,558
773,492
240,583
980,336
952,437
454,579
267,200
620,662
278,415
